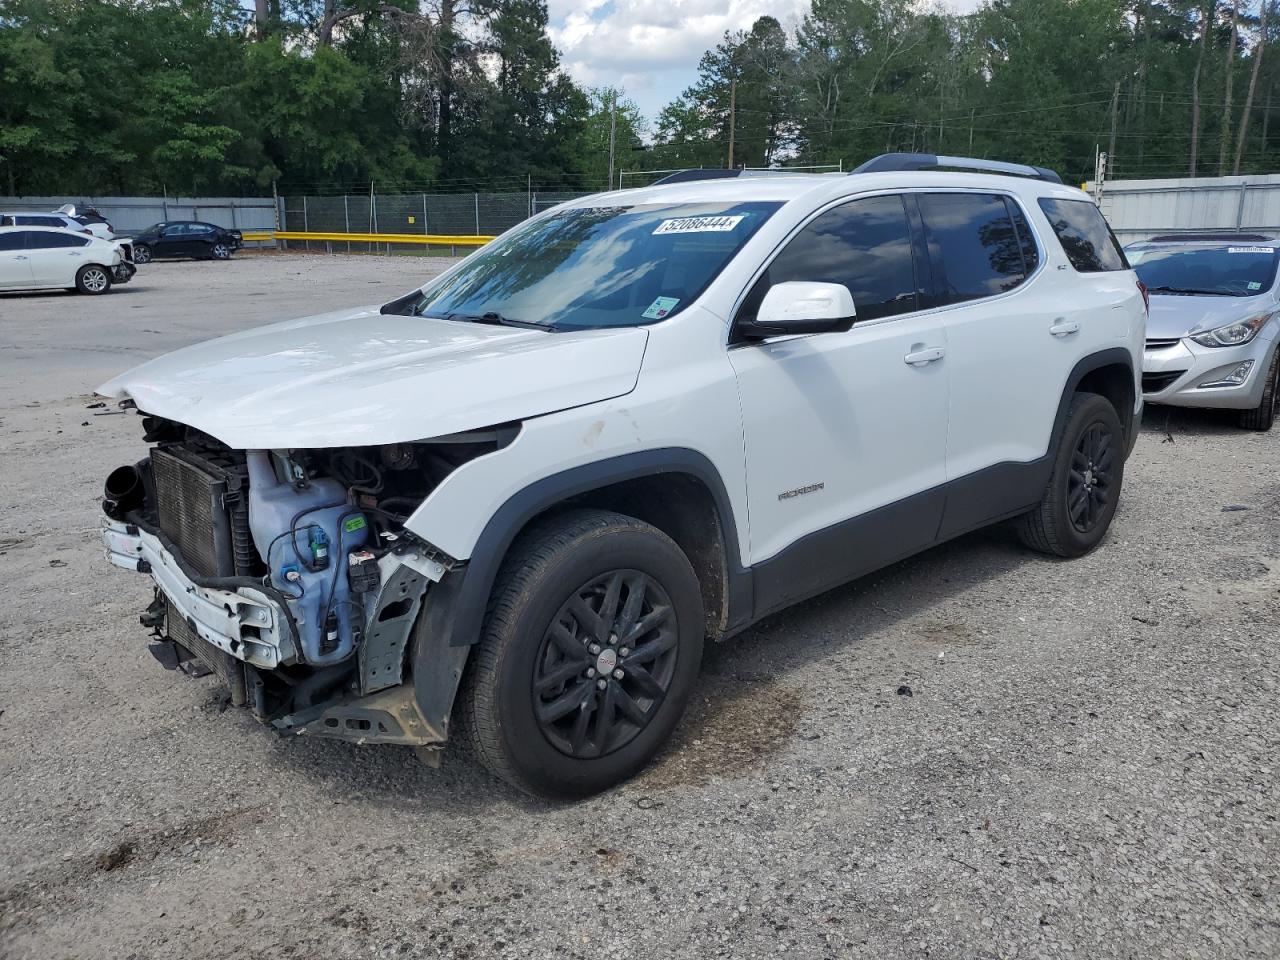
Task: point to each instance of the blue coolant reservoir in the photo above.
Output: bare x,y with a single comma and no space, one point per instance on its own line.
308,565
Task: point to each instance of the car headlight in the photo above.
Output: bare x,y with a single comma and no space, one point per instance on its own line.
1232,334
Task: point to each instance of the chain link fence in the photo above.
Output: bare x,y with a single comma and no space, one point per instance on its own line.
437,214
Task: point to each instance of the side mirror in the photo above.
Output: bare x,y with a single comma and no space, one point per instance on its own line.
799,306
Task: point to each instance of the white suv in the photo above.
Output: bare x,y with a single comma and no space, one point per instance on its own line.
515,502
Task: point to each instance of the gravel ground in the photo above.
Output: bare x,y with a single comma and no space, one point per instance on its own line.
977,753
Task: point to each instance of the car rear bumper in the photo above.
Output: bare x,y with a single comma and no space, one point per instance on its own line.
1184,374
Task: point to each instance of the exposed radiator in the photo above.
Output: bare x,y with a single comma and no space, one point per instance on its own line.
202,506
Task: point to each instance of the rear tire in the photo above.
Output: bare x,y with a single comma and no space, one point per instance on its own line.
1263,415
93,279
551,703
1084,485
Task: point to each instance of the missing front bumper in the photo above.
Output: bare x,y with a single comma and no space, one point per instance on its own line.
244,623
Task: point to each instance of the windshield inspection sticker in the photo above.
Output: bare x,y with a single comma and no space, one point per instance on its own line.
660,308
1251,249
699,225
1255,285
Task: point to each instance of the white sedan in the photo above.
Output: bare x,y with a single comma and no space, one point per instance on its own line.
48,258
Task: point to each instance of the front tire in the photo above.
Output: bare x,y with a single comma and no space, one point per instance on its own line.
93,279
1084,485
141,253
1263,415
590,650
221,251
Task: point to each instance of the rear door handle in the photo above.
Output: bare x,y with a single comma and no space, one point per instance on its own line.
919,358
1064,328
21,257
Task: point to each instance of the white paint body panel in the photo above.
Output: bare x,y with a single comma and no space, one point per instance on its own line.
843,410
1009,370
359,377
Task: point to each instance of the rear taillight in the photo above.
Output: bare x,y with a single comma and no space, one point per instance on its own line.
1146,296
86,230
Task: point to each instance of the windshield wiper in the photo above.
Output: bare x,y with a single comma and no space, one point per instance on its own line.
1192,291
494,318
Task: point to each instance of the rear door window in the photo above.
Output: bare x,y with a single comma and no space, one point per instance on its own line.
13,240
1085,237
975,249
36,221
865,245
43,240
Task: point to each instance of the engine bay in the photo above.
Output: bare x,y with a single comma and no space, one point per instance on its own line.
306,550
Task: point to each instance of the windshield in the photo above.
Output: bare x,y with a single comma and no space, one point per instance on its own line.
1244,270
598,266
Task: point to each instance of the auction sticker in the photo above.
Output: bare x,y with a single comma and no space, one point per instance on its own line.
699,225
1251,249
660,308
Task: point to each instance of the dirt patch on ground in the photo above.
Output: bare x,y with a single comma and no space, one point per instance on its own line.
729,732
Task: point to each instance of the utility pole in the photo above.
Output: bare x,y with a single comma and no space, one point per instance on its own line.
733,110
613,133
972,111
1115,108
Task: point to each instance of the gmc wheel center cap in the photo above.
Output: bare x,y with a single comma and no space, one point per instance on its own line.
607,660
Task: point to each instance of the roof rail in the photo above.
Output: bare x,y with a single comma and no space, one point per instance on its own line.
1222,235
889,162
685,176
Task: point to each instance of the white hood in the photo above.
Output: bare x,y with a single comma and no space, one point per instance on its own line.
358,377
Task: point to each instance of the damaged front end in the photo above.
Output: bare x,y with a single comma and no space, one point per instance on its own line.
289,574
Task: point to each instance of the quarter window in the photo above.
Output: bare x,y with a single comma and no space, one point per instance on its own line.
1085,237
974,246
865,245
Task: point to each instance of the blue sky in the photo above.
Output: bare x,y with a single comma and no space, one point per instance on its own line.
651,48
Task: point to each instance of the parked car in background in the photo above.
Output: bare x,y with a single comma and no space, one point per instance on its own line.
510,505
90,219
185,238
25,218
1215,323
51,258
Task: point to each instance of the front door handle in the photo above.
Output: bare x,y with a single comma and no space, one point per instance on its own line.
1064,328
919,358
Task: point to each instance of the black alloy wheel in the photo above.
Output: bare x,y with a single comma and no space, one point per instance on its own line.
588,657
1084,482
1089,483
605,664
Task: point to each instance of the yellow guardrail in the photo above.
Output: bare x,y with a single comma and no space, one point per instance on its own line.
433,239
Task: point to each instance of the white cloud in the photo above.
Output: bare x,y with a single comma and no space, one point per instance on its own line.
651,48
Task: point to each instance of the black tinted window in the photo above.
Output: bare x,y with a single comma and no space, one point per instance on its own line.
976,251
13,240
865,244
1026,240
40,240
29,221
1087,240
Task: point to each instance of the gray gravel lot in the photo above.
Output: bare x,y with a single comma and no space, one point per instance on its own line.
1085,766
